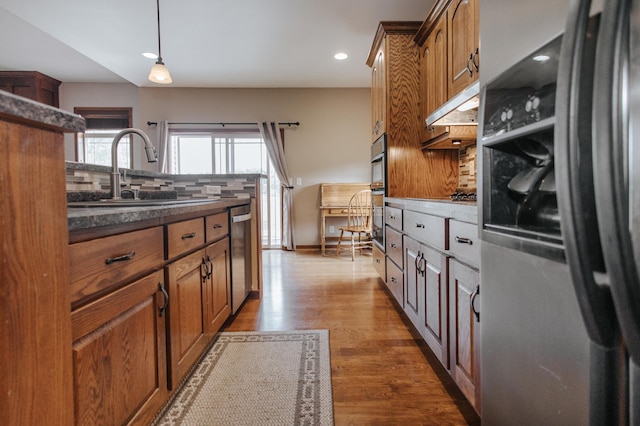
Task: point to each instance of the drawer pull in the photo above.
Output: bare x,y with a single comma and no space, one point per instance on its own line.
122,258
163,308
462,240
392,245
393,280
187,236
420,225
217,226
377,260
392,217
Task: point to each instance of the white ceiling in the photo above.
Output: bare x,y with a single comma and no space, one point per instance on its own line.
205,43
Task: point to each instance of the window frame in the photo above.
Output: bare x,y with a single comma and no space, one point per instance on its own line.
88,113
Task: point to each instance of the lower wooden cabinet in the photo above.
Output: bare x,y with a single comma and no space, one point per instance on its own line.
465,330
199,290
119,355
426,295
217,287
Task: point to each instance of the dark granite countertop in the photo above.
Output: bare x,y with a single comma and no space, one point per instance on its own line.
87,218
18,108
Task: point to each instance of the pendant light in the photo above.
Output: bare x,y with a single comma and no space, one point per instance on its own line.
159,72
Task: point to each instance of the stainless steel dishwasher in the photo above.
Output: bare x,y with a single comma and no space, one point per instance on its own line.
240,218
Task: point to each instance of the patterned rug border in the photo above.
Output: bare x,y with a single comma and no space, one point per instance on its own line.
309,410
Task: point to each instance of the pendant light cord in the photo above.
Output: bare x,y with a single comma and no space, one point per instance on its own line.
159,49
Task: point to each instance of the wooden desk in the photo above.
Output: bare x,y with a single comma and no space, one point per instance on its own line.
334,202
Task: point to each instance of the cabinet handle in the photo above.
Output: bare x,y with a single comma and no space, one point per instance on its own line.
377,260
392,245
217,226
205,275
393,280
462,240
122,258
475,294
392,217
420,225
187,236
210,267
469,70
163,308
473,60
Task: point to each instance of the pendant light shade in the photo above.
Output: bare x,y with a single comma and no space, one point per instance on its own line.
159,72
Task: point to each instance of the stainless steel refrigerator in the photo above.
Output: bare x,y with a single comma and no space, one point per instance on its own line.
559,212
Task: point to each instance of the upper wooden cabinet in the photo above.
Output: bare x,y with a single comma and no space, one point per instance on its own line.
464,53
32,85
449,62
395,96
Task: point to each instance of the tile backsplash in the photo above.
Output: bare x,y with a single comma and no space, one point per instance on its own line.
84,177
467,165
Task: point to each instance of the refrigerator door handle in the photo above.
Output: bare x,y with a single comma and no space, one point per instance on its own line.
573,168
613,171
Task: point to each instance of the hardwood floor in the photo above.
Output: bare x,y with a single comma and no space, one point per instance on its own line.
382,372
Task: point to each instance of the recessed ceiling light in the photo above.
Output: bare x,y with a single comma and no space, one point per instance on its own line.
341,56
150,55
541,58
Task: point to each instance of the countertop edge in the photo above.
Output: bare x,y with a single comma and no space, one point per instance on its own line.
463,211
86,219
17,108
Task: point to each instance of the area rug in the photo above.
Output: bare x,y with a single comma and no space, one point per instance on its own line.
258,378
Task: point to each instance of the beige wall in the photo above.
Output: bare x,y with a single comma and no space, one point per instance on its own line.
330,145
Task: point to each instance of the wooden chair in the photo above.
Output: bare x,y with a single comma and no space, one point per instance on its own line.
359,218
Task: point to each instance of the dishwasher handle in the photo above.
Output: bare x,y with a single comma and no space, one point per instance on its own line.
241,218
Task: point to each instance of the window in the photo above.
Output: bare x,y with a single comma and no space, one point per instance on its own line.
223,151
103,124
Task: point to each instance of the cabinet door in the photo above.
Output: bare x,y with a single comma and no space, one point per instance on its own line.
378,94
433,77
436,312
462,18
217,287
465,329
413,281
119,357
187,338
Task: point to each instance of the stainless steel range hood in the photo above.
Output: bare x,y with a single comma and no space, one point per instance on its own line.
461,110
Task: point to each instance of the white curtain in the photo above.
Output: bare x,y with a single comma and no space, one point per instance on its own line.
271,135
163,144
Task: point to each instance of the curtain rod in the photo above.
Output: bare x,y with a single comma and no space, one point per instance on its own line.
296,123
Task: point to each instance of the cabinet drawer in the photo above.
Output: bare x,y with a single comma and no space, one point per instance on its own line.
184,236
393,242
104,263
379,261
464,243
395,282
216,226
426,228
393,217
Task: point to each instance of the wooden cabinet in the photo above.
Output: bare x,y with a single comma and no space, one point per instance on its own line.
447,35
378,93
433,78
426,295
119,358
199,289
410,171
32,85
217,286
35,343
464,285
464,53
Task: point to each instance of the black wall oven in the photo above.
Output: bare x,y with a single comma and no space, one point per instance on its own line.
378,187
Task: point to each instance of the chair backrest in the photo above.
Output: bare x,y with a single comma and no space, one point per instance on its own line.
360,209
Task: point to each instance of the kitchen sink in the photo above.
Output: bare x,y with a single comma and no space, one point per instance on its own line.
132,203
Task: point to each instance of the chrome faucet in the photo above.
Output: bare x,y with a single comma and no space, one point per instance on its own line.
150,150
